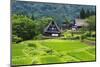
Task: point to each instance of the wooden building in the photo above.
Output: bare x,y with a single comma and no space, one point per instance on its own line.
79,23
52,29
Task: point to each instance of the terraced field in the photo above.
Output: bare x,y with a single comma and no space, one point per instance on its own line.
51,51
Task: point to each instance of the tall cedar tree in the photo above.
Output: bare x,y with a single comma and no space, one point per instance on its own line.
87,13
82,14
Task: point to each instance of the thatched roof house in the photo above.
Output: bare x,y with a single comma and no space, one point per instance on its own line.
52,29
81,22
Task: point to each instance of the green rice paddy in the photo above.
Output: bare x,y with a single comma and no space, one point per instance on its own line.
51,51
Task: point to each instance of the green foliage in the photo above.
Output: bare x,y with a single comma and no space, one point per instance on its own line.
93,34
87,33
91,38
82,13
28,27
62,51
92,50
50,59
63,45
32,17
32,45
23,27
38,37
76,37
16,39
67,34
42,23
67,20
83,37
92,22
49,52
86,13
83,55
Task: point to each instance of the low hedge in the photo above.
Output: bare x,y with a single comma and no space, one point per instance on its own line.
91,38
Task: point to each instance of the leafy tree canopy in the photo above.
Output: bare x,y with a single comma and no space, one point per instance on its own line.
27,28
91,20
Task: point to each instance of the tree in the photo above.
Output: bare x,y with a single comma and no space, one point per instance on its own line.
16,39
91,20
23,27
93,13
32,17
27,28
67,20
41,23
82,13
88,13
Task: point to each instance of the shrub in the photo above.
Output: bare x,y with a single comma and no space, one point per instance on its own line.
87,34
38,36
23,27
82,37
91,38
76,37
67,34
32,45
16,39
93,34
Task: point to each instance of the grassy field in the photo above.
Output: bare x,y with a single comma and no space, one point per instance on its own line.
51,51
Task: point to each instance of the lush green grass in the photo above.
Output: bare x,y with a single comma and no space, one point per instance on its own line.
51,51
50,59
83,56
17,49
22,60
92,50
64,45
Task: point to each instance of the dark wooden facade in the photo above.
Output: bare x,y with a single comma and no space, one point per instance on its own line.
52,29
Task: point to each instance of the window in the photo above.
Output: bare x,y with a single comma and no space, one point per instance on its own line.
54,34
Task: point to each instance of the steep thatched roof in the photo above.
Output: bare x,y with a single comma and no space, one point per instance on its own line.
52,22
81,22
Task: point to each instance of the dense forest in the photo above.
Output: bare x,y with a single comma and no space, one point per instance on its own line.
58,11
28,23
